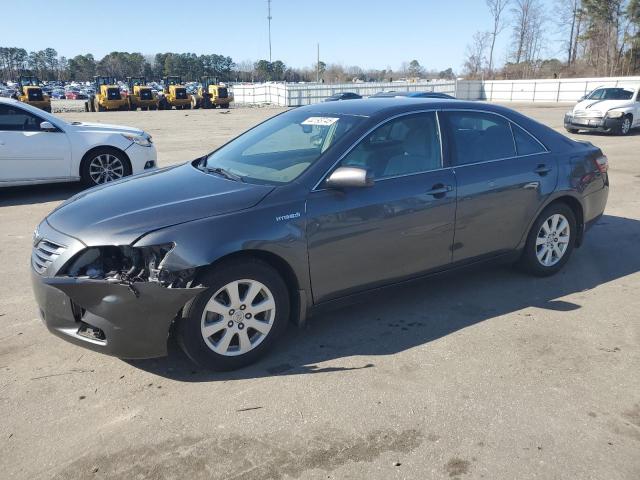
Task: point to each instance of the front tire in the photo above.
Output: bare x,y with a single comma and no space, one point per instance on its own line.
572,130
625,125
550,241
104,165
238,318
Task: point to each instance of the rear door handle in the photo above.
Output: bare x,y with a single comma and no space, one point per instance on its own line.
439,189
542,169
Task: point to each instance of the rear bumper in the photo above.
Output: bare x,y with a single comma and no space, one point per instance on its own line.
595,203
114,104
180,101
601,124
145,103
129,326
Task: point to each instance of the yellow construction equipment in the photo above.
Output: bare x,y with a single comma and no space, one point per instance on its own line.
211,94
107,96
29,91
174,94
141,96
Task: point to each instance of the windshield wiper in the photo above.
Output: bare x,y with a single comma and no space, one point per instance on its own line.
224,173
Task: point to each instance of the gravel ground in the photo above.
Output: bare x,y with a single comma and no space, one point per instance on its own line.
489,374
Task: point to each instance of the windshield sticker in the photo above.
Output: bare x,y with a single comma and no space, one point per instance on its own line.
321,121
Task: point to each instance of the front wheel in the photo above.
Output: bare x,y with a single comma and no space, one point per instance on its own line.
104,165
625,126
238,318
572,130
550,241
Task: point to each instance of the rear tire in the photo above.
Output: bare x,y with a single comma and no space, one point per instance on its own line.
550,241
235,338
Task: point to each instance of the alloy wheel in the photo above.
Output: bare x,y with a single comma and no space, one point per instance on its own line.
626,126
238,317
552,240
105,168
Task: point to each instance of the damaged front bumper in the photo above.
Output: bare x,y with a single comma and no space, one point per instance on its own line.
108,317
600,124
114,314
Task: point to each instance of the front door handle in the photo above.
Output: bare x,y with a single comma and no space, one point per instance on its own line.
542,169
439,190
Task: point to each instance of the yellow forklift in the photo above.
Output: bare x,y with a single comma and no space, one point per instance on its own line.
107,96
211,93
141,96
29,92
174,94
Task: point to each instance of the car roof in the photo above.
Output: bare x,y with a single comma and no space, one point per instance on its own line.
368,107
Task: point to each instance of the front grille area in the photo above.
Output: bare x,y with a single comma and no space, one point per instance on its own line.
145,94
44,254
181,93
223,93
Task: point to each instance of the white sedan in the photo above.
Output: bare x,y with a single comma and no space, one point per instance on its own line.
37,147
606,109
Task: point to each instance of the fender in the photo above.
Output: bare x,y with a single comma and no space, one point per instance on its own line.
277,229
552,198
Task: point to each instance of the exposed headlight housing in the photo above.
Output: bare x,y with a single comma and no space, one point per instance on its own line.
142,140
615,114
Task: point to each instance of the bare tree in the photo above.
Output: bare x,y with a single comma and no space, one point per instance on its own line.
475,60
496,8
528,27
568,18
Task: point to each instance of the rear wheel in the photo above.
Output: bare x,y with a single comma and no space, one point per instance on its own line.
104,165
550,241
238,318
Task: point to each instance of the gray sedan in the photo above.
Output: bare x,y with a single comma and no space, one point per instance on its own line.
316,205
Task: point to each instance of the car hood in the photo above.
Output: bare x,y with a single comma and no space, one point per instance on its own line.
602,106
105,128
121,212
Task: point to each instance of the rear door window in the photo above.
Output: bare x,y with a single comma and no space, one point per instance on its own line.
478,137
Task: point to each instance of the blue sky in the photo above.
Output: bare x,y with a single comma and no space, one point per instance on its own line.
368,33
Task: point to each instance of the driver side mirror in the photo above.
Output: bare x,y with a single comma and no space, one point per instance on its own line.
47,127
344,177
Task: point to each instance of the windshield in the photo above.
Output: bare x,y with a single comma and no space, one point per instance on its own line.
280,149
611,94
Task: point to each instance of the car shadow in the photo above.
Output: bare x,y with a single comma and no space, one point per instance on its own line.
32,194
420,312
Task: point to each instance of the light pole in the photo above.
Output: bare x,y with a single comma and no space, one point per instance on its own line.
269,22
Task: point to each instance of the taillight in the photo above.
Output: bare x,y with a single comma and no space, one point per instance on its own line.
602,163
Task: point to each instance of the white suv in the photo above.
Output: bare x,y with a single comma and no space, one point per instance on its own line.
37,147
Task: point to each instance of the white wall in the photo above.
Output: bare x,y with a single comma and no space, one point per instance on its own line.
295,94
560,90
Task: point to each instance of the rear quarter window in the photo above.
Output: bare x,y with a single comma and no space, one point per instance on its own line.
525,143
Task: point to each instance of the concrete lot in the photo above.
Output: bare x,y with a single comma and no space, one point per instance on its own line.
490,374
